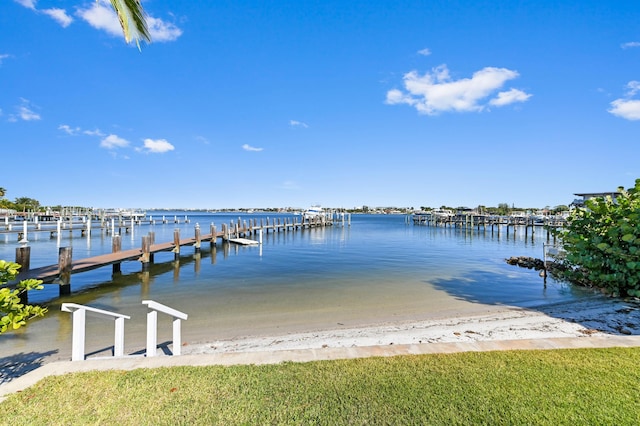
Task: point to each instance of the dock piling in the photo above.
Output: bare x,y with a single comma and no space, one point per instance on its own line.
64,270
116,246
152,241
23,258
197,236
225,235
176,243
146,250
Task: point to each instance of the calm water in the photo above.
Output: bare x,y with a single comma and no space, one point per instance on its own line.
379,269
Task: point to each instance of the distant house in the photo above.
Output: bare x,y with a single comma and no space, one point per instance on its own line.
579,202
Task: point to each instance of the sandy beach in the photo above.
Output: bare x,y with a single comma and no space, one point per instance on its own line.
594,316
593,322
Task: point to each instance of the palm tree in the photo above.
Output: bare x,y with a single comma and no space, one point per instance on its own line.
132,19
26,202
2,192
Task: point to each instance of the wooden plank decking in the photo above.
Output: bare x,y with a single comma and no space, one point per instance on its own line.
49,274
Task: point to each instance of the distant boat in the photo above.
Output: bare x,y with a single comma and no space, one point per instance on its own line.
442,213
125,214
313,212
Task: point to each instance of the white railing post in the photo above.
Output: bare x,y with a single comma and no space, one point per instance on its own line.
118,339
177,336
152,326
152,332
78,333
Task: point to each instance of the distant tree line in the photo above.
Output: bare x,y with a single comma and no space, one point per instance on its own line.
503,209
19,204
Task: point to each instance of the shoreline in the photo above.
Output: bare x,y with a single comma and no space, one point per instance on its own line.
595,316
596,322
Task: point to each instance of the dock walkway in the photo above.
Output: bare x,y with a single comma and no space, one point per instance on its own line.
49,274
235,232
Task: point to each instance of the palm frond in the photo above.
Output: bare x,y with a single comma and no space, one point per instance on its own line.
132,19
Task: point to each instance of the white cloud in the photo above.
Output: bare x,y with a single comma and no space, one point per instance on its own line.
59,15
625,107
630,44
294,123
634,87
509,97
157,146
203,140
100,15
77,131
161,30
69,130
4,56
113,141
95,132
436,91
424,52
29,4
25,112
247,147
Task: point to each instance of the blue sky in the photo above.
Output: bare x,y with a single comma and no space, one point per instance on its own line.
292,103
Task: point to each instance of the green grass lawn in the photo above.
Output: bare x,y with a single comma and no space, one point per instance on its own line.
571,387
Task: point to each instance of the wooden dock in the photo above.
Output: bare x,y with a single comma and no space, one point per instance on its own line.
21,229
492,222
235,232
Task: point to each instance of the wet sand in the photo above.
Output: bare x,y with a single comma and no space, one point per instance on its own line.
594,316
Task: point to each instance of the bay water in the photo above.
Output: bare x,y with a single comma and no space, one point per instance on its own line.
377,269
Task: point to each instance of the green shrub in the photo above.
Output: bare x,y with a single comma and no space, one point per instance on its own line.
602,243
13,313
